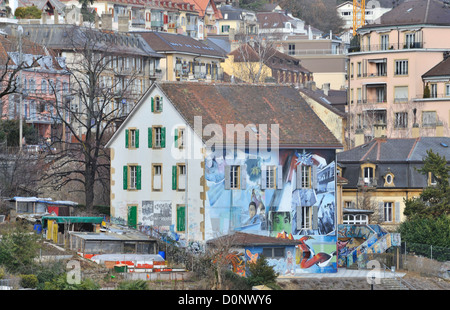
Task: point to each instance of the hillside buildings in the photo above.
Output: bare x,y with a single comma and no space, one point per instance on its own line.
389,74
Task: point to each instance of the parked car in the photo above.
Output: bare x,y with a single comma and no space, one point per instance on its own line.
32,149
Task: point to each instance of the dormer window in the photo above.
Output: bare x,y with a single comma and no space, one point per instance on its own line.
368,175
389,179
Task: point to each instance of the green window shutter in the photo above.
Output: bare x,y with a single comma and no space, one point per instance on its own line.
181,218
136,138
138,177
153,104
125,177
150,134
174,177
163,136
176,137
160,104
126,137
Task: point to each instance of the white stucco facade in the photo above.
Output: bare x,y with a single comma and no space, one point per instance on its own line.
157,208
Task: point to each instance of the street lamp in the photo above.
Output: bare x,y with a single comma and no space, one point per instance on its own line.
20,31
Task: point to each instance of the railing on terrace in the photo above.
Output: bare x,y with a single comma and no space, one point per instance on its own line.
386,47
325,51
372,101
432,97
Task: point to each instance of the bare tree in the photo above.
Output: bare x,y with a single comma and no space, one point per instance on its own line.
89,112
252,55
19,174
224,257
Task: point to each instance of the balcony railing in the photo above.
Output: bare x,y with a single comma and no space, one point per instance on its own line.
433,97
386,47
325,51
372,101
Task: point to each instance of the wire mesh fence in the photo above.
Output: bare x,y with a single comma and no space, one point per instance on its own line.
441,254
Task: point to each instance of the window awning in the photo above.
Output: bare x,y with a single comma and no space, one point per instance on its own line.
379,60
74,219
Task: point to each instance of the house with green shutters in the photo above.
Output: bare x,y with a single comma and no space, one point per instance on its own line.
203,160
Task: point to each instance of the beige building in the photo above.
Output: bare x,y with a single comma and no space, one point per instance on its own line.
185,58
386,88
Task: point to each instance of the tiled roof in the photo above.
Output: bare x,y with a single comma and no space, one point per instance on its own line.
247,104
396,150
272,19
201,6
414,12
441,69
274,58
170,42
63,36
31,51
398,156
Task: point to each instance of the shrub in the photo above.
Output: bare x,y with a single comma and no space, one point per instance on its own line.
30,12
28,281
133,285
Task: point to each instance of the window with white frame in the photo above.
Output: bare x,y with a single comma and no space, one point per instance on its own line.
158,136
400,94
157,177
133,177
388,212
181,182
271,173
305,176
433,90
401,67
401,120
358,219
384,41
234,177
306,217
368,174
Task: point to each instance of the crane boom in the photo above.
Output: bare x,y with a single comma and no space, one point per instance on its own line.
359,14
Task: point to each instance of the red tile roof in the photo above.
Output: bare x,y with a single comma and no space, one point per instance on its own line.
246,104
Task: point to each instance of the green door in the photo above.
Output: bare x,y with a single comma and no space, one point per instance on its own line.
132,216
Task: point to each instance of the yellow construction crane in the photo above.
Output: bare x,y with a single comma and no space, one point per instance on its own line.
359,14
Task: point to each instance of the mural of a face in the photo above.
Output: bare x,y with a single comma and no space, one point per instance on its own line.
281,221
258,209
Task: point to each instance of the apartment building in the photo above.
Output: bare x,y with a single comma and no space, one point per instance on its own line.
386,83
43,83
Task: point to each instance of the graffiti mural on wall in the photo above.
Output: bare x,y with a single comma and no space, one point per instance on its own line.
315,254
264,210
284,205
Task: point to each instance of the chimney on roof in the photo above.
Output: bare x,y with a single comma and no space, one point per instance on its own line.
326,88
446,54
106,21
124,25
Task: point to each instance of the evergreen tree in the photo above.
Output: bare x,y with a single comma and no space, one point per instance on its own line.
434,201
261,273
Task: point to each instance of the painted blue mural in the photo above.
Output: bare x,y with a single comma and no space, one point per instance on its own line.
290,192
312,255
